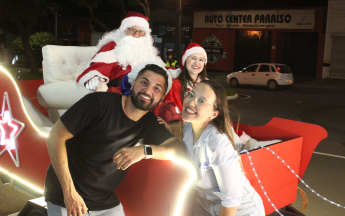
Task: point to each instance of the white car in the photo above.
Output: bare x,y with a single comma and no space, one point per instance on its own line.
267,74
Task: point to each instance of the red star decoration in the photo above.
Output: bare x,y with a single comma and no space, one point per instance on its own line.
10,129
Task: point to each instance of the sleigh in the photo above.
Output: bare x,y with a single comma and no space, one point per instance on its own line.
151,187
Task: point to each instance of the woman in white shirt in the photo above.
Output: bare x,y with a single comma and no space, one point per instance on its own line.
222,187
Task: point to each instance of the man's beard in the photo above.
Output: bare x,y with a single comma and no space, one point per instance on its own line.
140,104
133,51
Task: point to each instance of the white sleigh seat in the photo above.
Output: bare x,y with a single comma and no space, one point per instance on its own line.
61,67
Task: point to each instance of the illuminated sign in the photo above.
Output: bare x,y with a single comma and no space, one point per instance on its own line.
10,129
271,19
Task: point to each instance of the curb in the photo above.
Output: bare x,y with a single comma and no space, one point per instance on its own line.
232,97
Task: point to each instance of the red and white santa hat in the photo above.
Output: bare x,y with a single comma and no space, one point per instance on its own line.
191,49
136,19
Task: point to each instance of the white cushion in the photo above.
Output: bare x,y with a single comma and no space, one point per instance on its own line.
61,63
60,95
36,116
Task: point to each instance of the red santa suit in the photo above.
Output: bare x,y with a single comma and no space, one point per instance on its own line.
119,52
104,65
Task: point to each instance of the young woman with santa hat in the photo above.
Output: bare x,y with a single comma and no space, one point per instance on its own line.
222,187
193,71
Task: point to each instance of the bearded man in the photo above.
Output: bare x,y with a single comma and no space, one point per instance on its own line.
96,140
119,51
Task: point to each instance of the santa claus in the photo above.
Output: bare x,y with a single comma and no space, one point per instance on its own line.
119,51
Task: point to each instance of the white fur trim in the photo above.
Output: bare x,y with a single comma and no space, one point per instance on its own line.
105,57
90,75
136,21
174,73
177,109
191,51
189,87
160,62
134,73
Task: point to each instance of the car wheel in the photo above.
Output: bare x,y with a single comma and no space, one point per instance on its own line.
272,84
233,82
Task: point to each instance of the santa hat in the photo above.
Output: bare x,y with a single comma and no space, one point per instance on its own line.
136,19
134,73
192,48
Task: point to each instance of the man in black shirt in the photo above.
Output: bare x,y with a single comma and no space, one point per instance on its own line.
94,143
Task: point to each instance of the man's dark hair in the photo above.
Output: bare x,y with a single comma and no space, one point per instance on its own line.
156,69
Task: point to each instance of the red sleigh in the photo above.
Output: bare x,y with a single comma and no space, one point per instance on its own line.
156,188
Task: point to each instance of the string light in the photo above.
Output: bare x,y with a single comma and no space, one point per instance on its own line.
193,177
319,195
262,187
302,181
44,134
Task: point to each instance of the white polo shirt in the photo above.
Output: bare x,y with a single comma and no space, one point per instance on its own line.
220,177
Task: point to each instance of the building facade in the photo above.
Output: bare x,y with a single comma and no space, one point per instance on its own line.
334,64
237,38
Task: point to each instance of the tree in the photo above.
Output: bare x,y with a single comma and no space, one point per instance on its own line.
144,4
92,5
24,13
37,41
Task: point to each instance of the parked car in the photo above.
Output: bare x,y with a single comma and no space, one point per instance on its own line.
267,74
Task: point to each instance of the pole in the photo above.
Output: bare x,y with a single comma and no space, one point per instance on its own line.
178,30
56,27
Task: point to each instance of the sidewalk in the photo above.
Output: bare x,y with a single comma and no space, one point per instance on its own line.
327,83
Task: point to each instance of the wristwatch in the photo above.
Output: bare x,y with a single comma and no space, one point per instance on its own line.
148,151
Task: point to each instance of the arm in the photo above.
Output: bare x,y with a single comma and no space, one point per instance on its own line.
174,94
224,211
99,68
125,157
224,160
57,151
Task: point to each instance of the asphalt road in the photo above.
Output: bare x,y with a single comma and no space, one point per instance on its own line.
325,107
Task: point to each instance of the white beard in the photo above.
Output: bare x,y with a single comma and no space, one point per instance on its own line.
133,51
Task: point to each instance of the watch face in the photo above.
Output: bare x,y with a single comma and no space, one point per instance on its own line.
148,150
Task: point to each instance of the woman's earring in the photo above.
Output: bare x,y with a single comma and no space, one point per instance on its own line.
210,117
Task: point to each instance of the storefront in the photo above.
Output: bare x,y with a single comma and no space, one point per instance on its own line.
163,24
236,39
334,64
164,35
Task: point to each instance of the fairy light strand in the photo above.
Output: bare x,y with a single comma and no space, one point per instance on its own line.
302,181
262,187
305,184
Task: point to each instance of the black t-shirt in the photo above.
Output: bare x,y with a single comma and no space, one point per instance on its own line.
100,128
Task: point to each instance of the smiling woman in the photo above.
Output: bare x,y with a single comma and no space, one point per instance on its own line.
193,65
222,186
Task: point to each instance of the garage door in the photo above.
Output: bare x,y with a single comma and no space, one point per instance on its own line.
337,64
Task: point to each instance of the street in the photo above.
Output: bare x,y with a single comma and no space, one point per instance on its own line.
325,107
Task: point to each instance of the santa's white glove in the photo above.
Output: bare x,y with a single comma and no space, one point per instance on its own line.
93,83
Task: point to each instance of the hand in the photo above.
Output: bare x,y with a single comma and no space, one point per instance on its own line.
128,156
75,204
161,121
93,83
